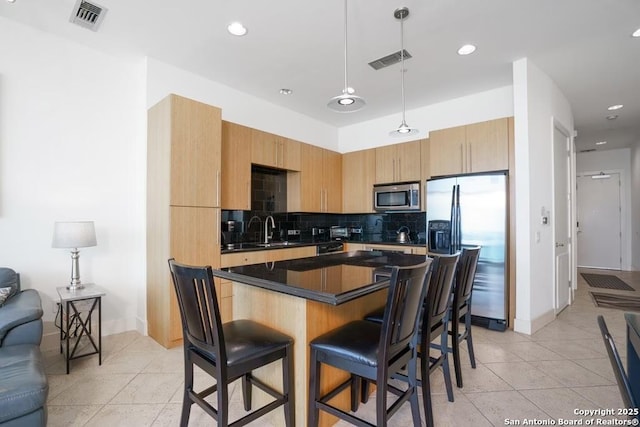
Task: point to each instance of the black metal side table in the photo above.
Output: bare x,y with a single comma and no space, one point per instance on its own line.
77,308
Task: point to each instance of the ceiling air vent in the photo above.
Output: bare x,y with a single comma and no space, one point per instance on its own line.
588,150
87,15
394,58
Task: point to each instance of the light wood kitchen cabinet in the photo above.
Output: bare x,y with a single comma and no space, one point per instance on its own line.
235,259
275,151
488,146
425,171
191,131
183,217
332,181
398,162
358,177
320,180
236,166
478,147
446,153
416,250
224,288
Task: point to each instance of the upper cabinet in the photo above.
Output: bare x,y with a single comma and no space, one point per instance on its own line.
236,166
275,151
425,172
488,145
479,147
398,162
320,180
358,177
191,131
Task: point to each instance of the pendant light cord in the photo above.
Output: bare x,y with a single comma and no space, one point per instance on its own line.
402,66
345,48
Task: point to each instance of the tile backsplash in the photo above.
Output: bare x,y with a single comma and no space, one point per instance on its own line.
268,190
381,227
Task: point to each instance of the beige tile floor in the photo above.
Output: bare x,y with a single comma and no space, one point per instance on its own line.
561,368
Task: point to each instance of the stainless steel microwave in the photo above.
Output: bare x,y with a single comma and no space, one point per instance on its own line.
397,197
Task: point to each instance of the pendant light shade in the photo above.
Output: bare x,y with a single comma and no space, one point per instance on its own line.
403,129
347,101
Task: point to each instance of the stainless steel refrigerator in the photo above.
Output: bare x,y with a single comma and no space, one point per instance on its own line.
471,210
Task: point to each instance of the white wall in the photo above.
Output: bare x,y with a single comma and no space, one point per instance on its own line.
613,161
635,206
479,107
72,146
537,103
237,107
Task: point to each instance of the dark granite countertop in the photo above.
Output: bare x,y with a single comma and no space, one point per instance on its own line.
332,278
251,246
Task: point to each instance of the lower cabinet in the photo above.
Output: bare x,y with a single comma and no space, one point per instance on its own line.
183,233
235,259
415,250
224,288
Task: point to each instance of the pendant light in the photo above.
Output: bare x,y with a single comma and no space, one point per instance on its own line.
346,102
403,129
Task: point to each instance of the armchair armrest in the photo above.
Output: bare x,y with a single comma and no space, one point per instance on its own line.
20,309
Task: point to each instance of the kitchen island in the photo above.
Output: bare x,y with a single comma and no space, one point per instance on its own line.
307,297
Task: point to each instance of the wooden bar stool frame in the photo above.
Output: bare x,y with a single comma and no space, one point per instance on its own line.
461,308
227,351
374,352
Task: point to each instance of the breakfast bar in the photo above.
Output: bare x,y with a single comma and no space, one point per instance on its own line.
307,297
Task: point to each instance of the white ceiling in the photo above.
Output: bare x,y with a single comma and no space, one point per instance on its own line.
585,46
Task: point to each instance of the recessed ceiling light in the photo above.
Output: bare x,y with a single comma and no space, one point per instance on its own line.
636,33
467,49
285,91
237,29
612,117
11,1
601,142
615,107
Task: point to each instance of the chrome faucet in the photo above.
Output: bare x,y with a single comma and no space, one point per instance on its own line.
266,227
251,221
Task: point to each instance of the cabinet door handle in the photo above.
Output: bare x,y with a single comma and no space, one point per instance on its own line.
218,188
326,200
249,195
469,163
399,169
463,166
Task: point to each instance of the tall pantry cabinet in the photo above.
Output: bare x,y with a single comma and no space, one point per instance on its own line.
183,202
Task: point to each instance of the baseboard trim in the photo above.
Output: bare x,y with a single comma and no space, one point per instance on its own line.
51,333
530,327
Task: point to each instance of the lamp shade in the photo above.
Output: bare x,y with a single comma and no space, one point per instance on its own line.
74,234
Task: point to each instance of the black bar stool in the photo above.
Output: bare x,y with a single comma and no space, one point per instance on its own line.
618,368
435,317
227,351
461,308
374,351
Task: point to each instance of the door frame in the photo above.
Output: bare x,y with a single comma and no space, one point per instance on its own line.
571,212
625,225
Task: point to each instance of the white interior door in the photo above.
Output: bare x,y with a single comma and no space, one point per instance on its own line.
599,221
561,218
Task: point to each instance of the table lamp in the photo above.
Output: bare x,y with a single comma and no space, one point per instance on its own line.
73,235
